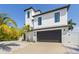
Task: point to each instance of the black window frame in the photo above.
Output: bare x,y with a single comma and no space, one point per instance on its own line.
39,20
57,17
28,14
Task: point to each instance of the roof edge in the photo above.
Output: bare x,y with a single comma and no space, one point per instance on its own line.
67,6
28,8
31,8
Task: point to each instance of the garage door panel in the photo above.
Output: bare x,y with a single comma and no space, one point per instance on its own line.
49,36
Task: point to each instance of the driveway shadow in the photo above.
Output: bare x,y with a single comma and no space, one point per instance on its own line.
77,49
7,47
77,45
72,50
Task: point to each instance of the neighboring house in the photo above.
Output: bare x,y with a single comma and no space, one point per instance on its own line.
50,26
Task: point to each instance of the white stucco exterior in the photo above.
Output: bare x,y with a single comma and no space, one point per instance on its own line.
48,20
29,20
71,38
63,32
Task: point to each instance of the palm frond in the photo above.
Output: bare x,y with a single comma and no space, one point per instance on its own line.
71,24
74,23
1,19
9,20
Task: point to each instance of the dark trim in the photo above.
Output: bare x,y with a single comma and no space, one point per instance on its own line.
31,8
50,27
67,6
28,8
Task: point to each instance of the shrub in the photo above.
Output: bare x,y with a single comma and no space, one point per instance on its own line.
8,33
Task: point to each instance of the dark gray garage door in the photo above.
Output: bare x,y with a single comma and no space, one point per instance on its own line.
49,36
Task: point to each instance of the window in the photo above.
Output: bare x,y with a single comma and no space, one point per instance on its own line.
33,23
57,17
39,21
28,14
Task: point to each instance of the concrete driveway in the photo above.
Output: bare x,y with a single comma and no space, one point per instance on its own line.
42,48
23,47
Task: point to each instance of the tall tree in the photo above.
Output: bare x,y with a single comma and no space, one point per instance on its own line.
8,28
71,24
4,19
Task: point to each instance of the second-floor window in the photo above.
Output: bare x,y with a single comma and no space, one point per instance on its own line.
28,14
39,20
57,17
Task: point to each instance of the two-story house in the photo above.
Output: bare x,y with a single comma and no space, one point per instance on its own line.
50,26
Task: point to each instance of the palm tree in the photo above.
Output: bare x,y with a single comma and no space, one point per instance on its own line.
4,19
26,28
71,24
6,24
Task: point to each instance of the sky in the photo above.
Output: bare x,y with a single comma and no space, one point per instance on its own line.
16,11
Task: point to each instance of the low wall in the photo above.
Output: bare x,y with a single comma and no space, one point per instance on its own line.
71,38
29,36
